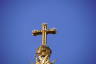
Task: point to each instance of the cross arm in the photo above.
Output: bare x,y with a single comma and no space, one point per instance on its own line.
36,32
51,31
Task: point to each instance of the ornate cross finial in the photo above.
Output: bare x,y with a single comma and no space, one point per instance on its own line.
44,33
43,52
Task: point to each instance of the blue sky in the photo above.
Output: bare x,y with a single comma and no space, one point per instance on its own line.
74,20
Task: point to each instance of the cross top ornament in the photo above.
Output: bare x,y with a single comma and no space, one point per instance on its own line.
44,32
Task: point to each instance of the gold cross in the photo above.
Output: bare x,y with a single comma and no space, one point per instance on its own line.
44,33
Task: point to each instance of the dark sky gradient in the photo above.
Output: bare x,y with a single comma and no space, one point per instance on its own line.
75,21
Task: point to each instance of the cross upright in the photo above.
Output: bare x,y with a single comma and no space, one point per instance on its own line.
44,32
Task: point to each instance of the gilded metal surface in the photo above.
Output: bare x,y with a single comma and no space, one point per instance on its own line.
44,33
43,52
